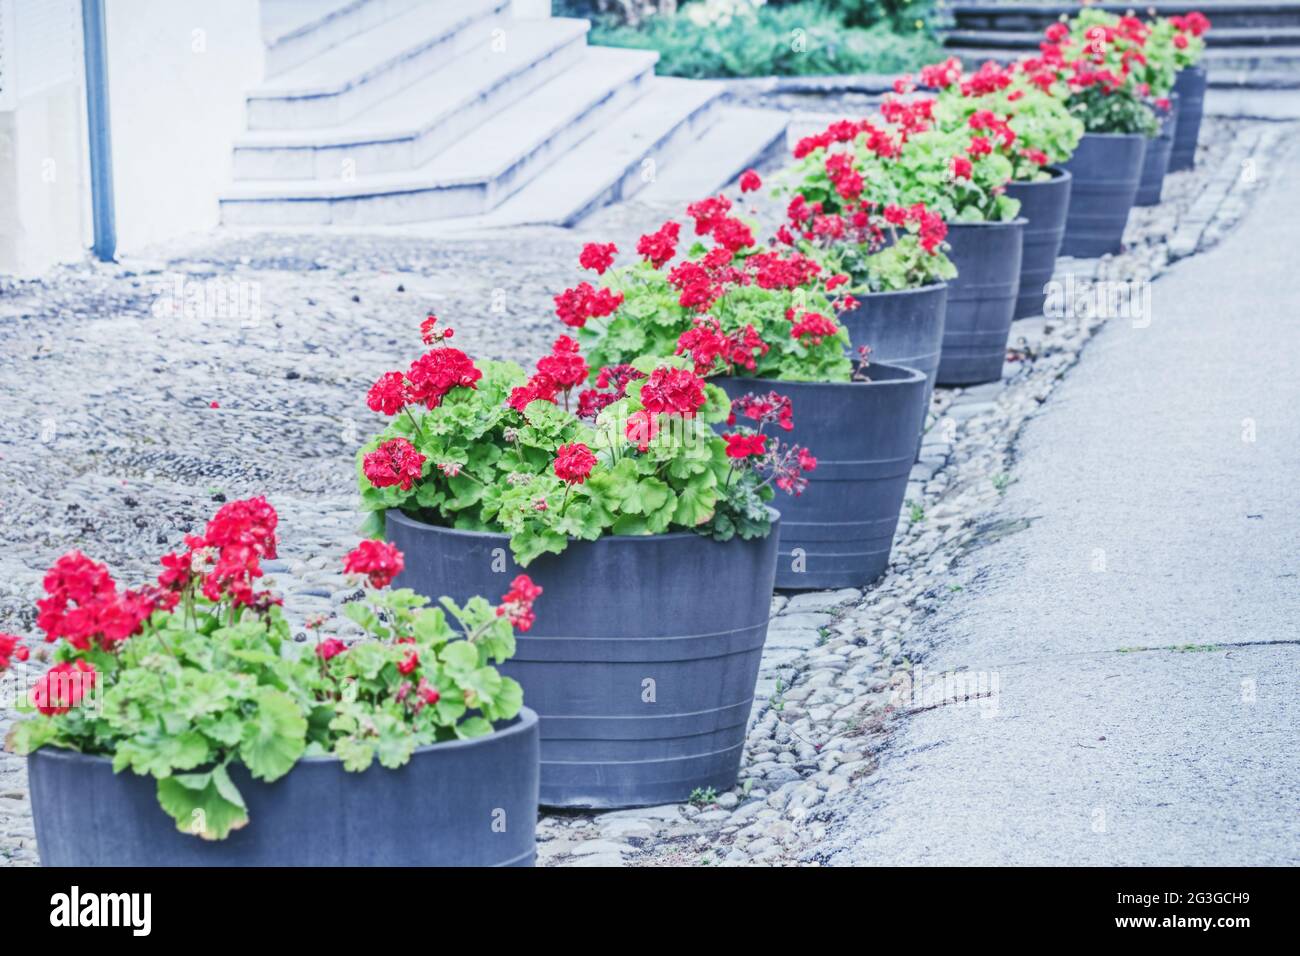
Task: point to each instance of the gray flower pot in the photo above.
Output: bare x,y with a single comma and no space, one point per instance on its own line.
1043,206
1107,168
902,328
643,659
981,300
1156,162
840,531
1190,87
460,803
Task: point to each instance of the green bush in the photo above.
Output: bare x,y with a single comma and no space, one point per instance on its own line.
792,39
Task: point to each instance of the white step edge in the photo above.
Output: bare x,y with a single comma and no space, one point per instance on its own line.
368,67
411,127
299,42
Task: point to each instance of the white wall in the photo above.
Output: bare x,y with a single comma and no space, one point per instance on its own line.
44,208
178,72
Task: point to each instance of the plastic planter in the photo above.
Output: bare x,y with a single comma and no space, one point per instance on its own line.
1043,206
643,659
1106,168
460,803
981,300
902,328
1156,162
1190,87
839,532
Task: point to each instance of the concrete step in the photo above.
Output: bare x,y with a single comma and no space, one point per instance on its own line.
741,138
409,128
297,30
1035,17
621,158
368,67
476,173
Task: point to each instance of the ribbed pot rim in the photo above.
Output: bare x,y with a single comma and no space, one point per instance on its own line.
525,721
1059,175
910,377
1004,223
396,514
1194,68
931,287
1117,136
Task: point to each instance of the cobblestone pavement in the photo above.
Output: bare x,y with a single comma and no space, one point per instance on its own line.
126,424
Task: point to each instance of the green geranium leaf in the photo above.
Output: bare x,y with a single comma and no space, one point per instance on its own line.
206,805
274,736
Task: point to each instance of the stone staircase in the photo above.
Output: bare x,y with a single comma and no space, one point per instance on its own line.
1251,44
380,112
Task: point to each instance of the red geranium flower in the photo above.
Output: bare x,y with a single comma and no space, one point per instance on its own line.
674,391
11,649
437,372
597,256
380,561
395,462
750,181
573,463
659,246
330,648
740,445
517,603
63,686
388,395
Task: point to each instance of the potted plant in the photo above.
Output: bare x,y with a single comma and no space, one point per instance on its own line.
1034,130
1184,36
620,499
762,321
959,175
181,724
1094,58
893,256
1155,71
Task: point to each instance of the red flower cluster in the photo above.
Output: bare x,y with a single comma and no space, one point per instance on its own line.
708,213
63,686
708,344
846,131
564,366
517,603
598,257
430,333
227,557
575,306
641,429
815,326
11,649
573,463
437,372
561,371
772,408
84,607
611,385
661,245
330,648
673,391
395,462
429,378
379,561
745,445
750,181
1195,23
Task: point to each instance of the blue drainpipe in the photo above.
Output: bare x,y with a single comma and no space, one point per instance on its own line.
101,146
